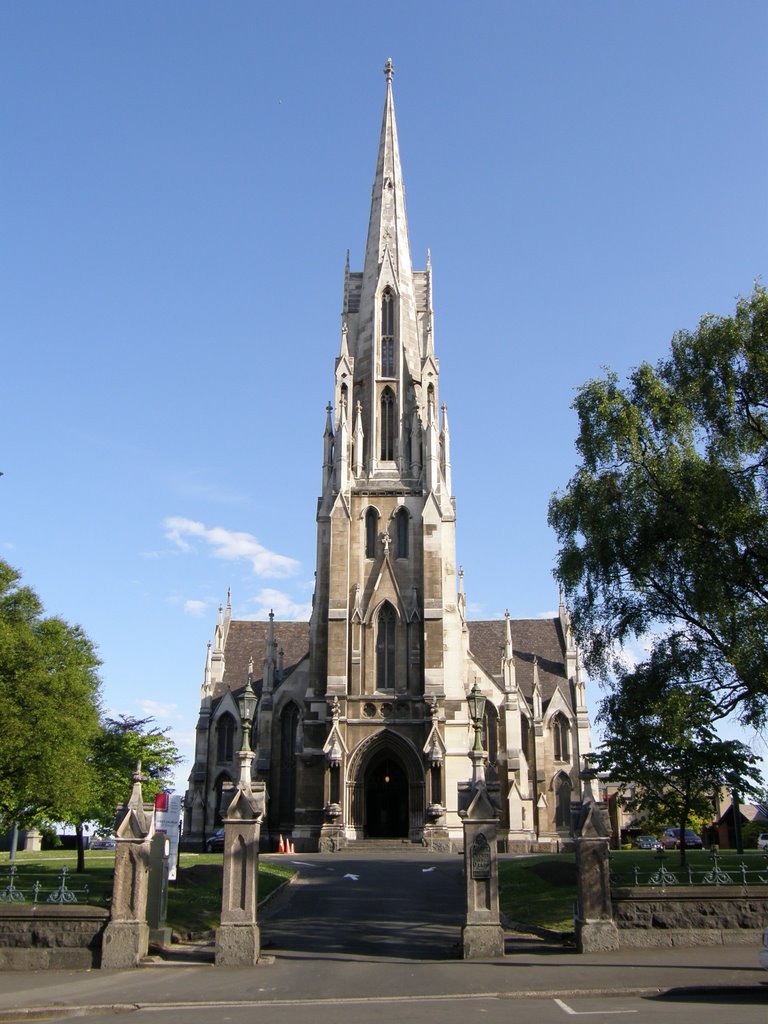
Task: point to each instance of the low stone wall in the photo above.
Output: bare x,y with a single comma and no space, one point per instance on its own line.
44,935
696,915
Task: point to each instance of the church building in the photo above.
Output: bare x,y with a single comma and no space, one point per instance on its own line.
362,729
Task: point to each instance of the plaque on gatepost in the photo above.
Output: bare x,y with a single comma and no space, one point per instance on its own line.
482,937
480,858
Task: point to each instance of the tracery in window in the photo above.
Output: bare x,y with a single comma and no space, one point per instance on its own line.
387,334
561,736
387,425
385,648
225,738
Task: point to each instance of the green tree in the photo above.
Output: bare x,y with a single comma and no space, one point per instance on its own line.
49,707
663,529
115,750
661,744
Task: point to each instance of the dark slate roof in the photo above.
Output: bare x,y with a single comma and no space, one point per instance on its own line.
540,637
247,639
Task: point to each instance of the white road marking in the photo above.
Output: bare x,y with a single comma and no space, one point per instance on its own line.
425,871
303,863
355,878
586,1013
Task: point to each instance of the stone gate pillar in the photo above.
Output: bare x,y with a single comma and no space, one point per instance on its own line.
482,937
595,928
126,937
237,938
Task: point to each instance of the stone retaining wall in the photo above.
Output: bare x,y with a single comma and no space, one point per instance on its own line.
694,916
44,935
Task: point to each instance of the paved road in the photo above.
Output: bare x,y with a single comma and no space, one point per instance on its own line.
408,907
374,941
730,1009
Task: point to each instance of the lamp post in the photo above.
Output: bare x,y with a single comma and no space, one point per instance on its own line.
476,701
482,936
246,704
237,938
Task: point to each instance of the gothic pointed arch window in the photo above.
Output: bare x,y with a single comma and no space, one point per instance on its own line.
387,347
387,425
225,738
371,528
385,647
561,738
402,523
562,787
489,733
223,782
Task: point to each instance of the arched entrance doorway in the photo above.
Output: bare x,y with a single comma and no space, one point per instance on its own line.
385,789
386,798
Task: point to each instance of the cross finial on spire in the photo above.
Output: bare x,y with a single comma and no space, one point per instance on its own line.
389,69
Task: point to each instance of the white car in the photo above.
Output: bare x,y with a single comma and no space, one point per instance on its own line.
764,951
762,841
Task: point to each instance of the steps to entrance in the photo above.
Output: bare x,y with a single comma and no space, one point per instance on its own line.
383,846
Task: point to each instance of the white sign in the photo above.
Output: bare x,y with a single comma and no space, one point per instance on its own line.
167,821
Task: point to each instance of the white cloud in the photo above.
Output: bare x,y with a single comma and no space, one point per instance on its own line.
195,608
157,710
230,545
281,604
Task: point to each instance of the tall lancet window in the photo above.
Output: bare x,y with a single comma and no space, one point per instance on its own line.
401,533
385,648
387,425
371,526
387,334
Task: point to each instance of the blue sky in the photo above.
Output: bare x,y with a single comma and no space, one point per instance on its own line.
179,183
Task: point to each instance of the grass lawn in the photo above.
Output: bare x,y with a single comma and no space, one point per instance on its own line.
194,899
540,890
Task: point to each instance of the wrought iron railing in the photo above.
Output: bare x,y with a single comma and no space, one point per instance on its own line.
662,877
15,891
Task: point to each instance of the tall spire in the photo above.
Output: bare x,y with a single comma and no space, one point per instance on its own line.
388,228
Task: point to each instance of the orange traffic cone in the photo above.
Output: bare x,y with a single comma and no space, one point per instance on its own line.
293,848
281,846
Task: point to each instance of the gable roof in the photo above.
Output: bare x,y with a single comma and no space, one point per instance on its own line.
247,639
540,637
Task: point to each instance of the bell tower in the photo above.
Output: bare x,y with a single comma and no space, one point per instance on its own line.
386,629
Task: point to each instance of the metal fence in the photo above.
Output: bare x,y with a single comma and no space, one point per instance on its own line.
662,877
16,891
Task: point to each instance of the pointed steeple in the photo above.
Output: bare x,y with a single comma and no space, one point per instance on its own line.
388,257
388,227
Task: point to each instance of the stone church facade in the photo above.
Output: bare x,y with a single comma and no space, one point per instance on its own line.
362,729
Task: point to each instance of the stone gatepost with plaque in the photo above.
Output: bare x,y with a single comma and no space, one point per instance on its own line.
126,937
482,937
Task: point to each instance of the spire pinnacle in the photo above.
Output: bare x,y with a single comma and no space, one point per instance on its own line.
389,70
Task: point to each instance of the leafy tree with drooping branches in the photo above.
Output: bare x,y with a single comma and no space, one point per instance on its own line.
663,529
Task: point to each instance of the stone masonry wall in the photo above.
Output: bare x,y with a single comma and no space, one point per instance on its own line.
42,935
696,916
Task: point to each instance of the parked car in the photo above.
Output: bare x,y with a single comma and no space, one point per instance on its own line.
764,951
215,842
102,843
670,839
646,843
762,841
